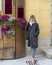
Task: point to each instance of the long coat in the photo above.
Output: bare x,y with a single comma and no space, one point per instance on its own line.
32,35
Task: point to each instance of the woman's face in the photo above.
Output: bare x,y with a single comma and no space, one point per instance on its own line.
32,19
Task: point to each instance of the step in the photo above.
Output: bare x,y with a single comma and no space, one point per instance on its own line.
48,53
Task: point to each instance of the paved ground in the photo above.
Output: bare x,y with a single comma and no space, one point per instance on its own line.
42,60
22,61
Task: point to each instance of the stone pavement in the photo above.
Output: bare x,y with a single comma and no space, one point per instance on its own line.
22,61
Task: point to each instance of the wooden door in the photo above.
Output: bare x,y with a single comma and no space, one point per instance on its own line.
20,34
7,45
13,47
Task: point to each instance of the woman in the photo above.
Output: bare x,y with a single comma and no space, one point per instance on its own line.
32,35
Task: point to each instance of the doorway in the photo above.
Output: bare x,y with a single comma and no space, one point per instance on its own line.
11,48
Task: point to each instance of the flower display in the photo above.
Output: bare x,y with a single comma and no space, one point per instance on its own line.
5,17
8,20
21,23
12,33
12,19
7,31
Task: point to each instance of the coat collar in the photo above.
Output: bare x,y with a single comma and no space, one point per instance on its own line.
33,24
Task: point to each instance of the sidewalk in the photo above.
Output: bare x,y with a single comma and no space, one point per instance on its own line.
22,61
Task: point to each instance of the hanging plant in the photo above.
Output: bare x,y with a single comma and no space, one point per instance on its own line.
6,19
21,23
8,32
12,19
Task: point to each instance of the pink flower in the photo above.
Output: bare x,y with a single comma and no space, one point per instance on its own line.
6,30
5,17
21,23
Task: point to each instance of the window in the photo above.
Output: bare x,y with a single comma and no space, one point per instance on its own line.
8,6
0,5
20,8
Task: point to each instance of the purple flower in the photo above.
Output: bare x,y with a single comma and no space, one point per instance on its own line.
5,17
5,30
21,23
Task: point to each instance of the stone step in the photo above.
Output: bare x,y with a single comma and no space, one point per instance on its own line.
48,53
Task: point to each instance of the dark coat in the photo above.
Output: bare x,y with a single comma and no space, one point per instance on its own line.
32,35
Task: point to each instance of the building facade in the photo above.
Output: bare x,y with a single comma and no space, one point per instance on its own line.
42,11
